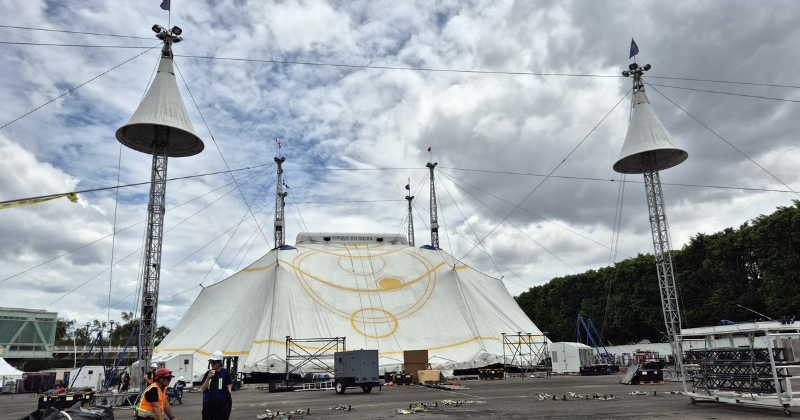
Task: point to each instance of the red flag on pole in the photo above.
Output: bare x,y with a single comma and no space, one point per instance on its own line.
429,149
279,143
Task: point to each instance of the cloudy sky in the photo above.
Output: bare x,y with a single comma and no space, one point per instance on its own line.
374,127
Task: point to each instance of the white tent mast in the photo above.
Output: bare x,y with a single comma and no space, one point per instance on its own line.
649,148
434,211
161,127
410,220
280,203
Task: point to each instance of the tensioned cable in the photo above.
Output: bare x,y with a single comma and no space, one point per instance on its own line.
141,260
295,204
400,68
258,227
614,180
218,149
39,44
152,73
73,32
449,245
113,235
76,87
380,299
118,262
439,70
121,230
451,177
397,200
418,206
198,250
726,141
617,219
726,93
358,291
517,228
141,183
468,224
251,240
615,233
551,172
214,263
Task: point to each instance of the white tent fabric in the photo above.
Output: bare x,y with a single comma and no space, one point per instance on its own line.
8,372
646,133
379,295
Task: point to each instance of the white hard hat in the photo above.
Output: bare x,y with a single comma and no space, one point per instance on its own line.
217,355
180,378
154,364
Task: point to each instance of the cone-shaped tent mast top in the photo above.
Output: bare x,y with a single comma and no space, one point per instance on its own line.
649,148
160,127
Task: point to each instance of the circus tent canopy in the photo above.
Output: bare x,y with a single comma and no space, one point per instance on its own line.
374,289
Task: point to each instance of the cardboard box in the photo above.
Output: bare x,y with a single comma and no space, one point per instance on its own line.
428,375
415,357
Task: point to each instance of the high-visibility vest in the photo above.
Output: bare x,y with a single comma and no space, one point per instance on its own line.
216,384
145,408
150,377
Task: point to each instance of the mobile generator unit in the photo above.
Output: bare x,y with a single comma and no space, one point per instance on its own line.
356,368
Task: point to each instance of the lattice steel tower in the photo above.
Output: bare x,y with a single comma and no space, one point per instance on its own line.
648,149
434,210
160,127
280,204
410,221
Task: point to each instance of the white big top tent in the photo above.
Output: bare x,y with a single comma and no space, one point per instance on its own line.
374,289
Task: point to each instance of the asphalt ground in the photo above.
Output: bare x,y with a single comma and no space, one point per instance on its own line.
501,399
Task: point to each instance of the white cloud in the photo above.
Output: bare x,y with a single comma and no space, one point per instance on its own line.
369,118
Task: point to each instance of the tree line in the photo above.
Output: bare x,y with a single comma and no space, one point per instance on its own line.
748,273
69,333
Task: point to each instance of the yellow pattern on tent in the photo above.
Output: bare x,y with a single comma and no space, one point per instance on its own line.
350,256
350,289
283,343
250,270
71,197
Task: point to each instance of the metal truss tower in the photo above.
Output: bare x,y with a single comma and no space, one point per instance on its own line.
410,221
434,210
280,204
648,149
661,245
160,127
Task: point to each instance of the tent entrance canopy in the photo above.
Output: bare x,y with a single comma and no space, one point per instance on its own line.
378,294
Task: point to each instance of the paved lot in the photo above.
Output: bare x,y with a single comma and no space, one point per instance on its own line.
505,399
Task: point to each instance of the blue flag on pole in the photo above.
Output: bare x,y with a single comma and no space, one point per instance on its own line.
165,4
408,187
634,47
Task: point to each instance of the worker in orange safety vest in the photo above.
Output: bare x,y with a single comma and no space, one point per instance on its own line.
153,403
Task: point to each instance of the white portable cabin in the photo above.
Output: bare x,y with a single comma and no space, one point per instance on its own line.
89,377
570,357
179,364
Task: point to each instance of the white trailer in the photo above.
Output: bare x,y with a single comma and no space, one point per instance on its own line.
89,377
570,357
